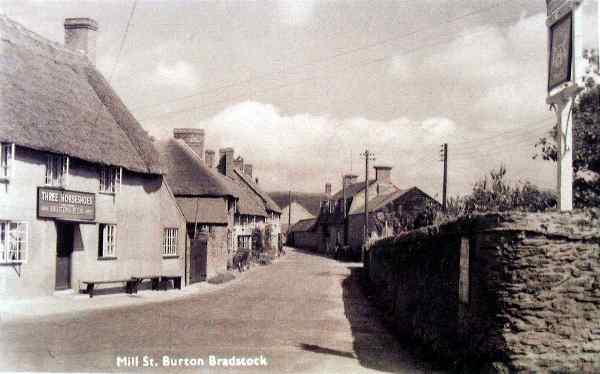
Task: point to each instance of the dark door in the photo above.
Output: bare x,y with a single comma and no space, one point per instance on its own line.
198,260
64,248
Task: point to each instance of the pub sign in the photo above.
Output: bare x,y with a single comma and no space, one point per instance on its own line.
561,44
66,205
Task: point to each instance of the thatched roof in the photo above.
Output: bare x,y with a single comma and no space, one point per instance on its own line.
268,202
249,204
304,225
206,210
310,201
187,173
55,100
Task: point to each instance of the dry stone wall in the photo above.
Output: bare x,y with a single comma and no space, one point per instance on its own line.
519,291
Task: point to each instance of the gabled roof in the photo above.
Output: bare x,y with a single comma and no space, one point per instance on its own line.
269,203
352,190
187,174
304,225
248,204
381,201
310,201
207,210
55,100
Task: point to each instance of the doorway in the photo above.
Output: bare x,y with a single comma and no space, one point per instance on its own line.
64,247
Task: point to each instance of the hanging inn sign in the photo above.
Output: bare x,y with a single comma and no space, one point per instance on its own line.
66,205
561,51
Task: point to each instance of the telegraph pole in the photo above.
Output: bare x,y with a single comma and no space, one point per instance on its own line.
289,211
444,159
369,156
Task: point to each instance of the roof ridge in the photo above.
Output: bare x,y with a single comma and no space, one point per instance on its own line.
40,38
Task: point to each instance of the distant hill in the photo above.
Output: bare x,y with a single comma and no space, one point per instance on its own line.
310,201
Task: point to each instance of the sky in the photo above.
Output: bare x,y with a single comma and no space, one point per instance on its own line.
301,88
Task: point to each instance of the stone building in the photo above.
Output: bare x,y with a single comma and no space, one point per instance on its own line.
297,207
241,174
341,220
208,202
81,188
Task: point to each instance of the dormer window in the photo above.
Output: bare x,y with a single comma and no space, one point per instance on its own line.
7,160
57,170
110,179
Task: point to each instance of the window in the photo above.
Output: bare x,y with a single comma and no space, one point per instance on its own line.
331,206
57,170
107,240
13,242
7,160
169,244
110,179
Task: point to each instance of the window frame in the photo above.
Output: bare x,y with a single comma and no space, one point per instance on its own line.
7,167
170,242
56,162
111,174
107,241
4,247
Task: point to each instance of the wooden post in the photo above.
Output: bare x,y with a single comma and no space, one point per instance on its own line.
562,96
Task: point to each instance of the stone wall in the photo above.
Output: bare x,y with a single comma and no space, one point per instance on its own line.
519,291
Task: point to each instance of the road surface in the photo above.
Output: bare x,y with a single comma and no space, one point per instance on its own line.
303,314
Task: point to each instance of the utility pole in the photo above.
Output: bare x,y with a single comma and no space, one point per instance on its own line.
444,159
289,211
369,156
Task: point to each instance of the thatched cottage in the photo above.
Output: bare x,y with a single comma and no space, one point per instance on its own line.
241,174
81,188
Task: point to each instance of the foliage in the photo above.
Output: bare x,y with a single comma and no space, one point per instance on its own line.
586,148
494,194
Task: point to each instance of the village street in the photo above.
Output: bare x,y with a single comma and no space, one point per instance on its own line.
305,313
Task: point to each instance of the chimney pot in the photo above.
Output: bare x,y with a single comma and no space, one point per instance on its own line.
80,35
383,174
248,170
226,161
238,163
194,138
209,158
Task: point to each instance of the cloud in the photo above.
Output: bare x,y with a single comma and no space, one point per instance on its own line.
309,149
296,12
179,74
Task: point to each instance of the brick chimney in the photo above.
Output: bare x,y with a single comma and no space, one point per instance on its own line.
328,189
248,170
226,161
238,163
192,137
80,35
349,179
383,174
209,158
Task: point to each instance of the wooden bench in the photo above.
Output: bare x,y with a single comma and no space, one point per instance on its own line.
155,279
130,285
164,281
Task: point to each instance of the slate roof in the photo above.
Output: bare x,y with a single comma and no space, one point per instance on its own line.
310,201
55,100
352,190
304,225
269,203
187,174
380,201
208,210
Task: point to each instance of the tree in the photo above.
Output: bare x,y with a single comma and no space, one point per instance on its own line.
586,147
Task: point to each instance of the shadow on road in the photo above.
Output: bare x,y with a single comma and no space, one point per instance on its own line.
318,349
375,346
